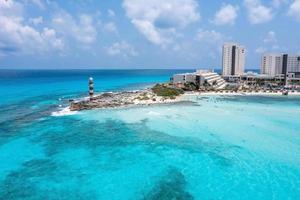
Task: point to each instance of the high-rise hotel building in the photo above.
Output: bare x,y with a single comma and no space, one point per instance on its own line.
233,59
275,64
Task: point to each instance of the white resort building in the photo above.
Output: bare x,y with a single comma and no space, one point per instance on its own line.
233,59
285,65
275,64
200,78
271,64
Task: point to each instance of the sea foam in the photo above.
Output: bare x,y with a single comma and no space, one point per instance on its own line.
64,112
154,113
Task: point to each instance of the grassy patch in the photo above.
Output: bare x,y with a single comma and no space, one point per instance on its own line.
165,91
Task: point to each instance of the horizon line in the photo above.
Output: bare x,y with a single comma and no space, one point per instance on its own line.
219,68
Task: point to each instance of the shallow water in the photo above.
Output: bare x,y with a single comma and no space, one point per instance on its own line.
215,148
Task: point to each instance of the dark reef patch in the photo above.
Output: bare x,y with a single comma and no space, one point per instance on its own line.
171,186
15,116
32,181
72,133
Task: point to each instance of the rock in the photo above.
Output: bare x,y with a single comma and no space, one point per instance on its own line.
117,99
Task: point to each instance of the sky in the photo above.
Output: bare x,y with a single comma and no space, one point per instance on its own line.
117,34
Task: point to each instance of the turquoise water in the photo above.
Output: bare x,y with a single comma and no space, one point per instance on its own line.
206,148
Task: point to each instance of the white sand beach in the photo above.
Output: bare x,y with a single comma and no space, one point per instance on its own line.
239,93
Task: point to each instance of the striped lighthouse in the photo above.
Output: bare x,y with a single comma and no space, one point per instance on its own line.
91,88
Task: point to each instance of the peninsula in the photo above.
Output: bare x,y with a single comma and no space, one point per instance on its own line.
159,94
183,86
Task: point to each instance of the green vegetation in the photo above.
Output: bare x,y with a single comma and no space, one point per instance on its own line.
190,87
144,98
166,91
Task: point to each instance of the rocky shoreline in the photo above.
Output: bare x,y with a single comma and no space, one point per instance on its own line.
121,99
159,94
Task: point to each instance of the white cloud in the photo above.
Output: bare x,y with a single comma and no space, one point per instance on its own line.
258,13
16,37
111,13
209,36
260,50
111,27
11,9
270,37
152,34
36,21
81,29
159,20
19,38
39,3
49,35
87,33
121,48
270,43
294,10
212,40
226,15
278,3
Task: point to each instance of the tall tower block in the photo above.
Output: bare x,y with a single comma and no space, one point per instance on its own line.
233,59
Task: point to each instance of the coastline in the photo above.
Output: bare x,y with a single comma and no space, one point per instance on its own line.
133,99
121,99
212,132
239,94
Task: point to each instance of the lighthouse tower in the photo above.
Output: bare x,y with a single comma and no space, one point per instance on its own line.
91,88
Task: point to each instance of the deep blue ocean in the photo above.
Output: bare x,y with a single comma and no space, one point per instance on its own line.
214,147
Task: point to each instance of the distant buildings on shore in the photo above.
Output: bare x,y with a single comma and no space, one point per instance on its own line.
275,64
272,64
233,59
277,70
207,78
